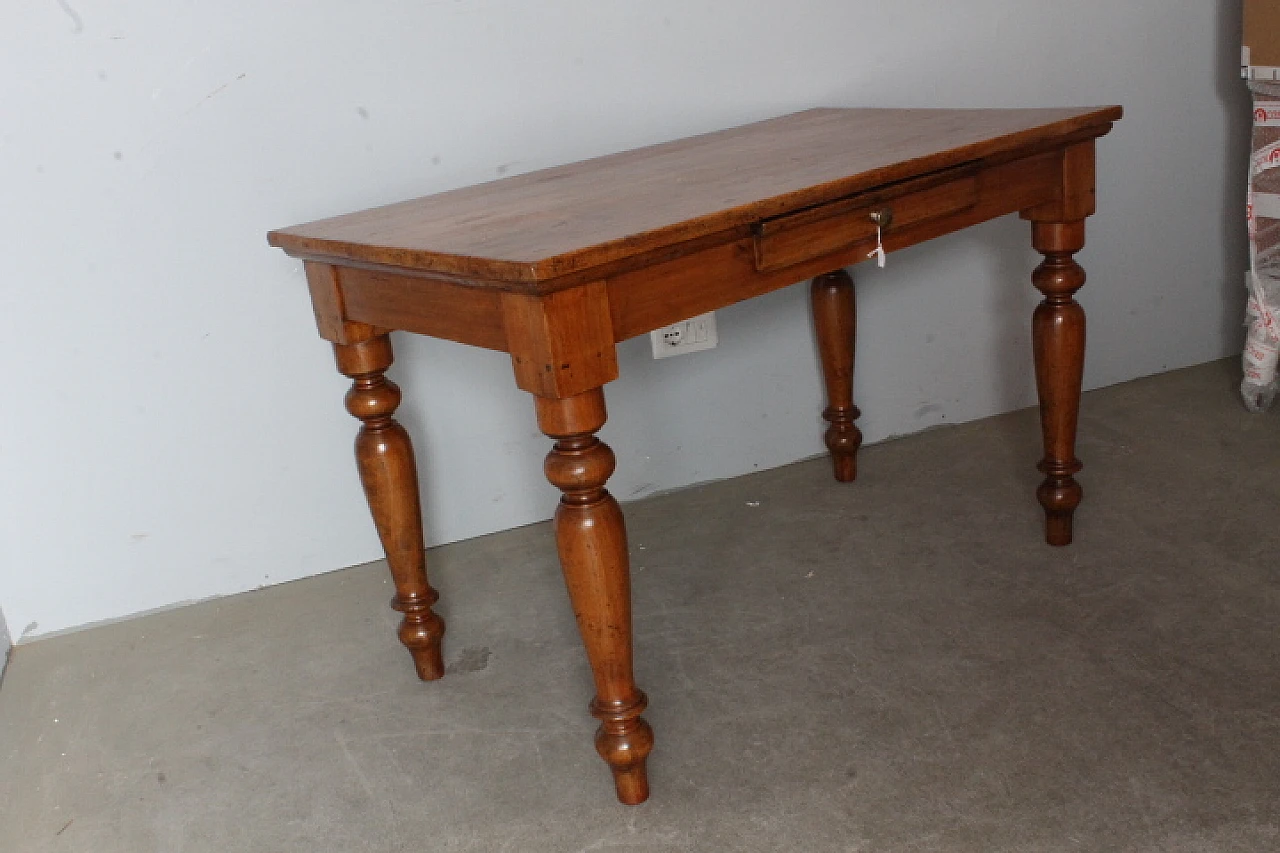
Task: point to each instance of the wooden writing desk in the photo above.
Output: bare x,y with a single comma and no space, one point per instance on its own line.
555,267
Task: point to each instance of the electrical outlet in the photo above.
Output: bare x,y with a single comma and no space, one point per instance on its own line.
692,335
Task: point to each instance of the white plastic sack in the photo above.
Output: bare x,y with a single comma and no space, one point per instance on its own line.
1262,316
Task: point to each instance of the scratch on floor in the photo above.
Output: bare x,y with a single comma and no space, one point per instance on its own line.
385,803
542,770
355,766
338,700
77,24
946,729
469,732
669,840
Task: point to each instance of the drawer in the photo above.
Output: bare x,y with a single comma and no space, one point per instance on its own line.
817,231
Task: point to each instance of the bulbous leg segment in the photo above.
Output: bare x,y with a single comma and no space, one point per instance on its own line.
591,537
835,320
1058,335
624,740
421,632
1059,494
843,439
384,457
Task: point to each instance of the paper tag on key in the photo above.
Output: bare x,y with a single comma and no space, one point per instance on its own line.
878,251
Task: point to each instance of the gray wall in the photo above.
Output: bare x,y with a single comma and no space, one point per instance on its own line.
179,429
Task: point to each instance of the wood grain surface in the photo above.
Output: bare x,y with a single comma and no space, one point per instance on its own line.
518,232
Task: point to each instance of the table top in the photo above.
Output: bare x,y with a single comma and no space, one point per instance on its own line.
534,227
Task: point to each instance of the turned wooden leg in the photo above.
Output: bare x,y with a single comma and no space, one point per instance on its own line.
1058,336
592,540
384,456
835,319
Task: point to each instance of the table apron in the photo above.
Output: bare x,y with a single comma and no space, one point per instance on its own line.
646,299
708,278
424,305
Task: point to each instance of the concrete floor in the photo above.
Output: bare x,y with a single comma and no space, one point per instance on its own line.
898,665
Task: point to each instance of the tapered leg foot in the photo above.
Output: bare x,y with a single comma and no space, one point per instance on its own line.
592,540
1058,338
624,740
1059,495
835,320
384,457
421,632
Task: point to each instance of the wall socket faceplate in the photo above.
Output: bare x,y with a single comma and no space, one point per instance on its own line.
692,335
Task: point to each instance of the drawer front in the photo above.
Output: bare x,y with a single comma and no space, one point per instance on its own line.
807,234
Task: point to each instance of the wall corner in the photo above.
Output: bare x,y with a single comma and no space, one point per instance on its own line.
6,645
